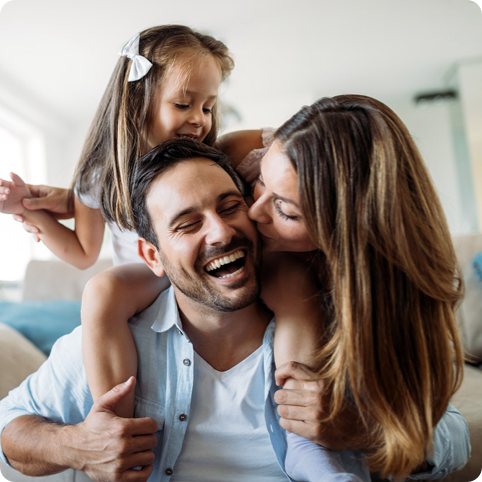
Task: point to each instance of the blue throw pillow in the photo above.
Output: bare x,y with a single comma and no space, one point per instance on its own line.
42,322
477,265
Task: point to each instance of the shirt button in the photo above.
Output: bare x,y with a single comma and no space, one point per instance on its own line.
168,471
186,362
179,331
183,417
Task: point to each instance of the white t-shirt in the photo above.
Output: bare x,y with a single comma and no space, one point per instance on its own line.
226,437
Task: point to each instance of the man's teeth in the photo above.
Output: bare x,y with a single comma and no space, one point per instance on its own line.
217,263
232,274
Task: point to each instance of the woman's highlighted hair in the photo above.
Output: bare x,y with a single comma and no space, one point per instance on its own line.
390,280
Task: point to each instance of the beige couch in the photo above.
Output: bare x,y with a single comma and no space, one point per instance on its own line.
60,281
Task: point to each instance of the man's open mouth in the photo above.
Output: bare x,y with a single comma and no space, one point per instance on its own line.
227,266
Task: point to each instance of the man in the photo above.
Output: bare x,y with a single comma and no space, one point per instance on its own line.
209,327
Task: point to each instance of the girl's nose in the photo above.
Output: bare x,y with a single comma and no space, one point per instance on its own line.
197,117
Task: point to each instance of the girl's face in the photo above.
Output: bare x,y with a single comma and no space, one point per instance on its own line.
277,210
184,109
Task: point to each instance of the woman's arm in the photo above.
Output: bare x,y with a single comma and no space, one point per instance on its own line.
109,300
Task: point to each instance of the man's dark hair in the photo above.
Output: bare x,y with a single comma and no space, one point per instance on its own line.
158,161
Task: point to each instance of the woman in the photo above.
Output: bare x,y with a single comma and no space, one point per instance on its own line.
344,182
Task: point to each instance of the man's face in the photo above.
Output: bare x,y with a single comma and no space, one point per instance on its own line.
208,245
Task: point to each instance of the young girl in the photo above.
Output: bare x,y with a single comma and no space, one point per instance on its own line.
164,86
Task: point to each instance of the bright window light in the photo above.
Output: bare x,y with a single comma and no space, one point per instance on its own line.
15,244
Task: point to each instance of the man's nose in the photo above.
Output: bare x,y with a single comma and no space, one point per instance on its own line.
218,231
258,211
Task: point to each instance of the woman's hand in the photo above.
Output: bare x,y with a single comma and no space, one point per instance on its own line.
57,201
303,408
12,193
54,199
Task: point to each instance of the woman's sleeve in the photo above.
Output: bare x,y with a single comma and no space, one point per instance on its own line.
451,447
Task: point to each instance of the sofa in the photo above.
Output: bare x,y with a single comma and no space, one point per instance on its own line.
50,281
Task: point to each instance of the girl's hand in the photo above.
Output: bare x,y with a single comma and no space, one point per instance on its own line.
57,201
30,228
11,195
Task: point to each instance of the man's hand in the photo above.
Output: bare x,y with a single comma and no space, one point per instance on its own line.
303,406
110,446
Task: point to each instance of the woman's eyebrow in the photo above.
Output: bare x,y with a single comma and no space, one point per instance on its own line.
286,200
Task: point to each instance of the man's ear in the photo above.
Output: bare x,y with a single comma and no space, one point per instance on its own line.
149,253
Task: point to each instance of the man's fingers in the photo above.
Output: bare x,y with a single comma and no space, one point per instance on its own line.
108,401
298,427
138,475
294,370
142,426
302,414
302,398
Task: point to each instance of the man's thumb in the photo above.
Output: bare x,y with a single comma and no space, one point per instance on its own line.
108,401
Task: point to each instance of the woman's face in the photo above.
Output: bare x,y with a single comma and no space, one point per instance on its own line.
277,210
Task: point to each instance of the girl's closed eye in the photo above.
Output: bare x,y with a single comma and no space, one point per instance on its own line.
182,106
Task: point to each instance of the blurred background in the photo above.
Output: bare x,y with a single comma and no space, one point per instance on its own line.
421,57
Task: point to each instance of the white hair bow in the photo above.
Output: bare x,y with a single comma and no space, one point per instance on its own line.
140,65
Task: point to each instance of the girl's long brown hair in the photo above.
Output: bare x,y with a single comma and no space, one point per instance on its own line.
390,276
114,142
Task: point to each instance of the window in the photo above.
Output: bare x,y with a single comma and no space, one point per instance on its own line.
21,151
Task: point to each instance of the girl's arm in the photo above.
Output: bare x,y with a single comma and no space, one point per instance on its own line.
109,300
80,247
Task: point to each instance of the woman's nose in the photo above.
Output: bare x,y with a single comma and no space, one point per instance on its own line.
258,211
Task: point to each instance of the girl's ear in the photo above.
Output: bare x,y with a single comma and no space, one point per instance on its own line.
149,253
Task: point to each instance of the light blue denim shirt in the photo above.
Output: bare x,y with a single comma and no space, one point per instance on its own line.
59,391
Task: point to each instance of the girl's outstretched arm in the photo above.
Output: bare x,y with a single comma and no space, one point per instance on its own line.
79,247
109,300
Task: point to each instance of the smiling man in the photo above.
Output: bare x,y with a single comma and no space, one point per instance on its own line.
204,396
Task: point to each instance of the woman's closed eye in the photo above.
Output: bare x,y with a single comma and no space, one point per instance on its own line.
283,215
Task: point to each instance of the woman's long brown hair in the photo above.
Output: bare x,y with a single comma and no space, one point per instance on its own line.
121,124
390,277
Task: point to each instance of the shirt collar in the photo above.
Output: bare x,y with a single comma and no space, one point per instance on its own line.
168,315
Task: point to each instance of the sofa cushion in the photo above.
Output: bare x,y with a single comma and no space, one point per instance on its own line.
18,359
469,314
477,264
41,322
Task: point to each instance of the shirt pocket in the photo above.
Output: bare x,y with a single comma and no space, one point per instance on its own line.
146,408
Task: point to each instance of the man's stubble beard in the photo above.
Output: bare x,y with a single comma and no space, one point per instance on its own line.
206,294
